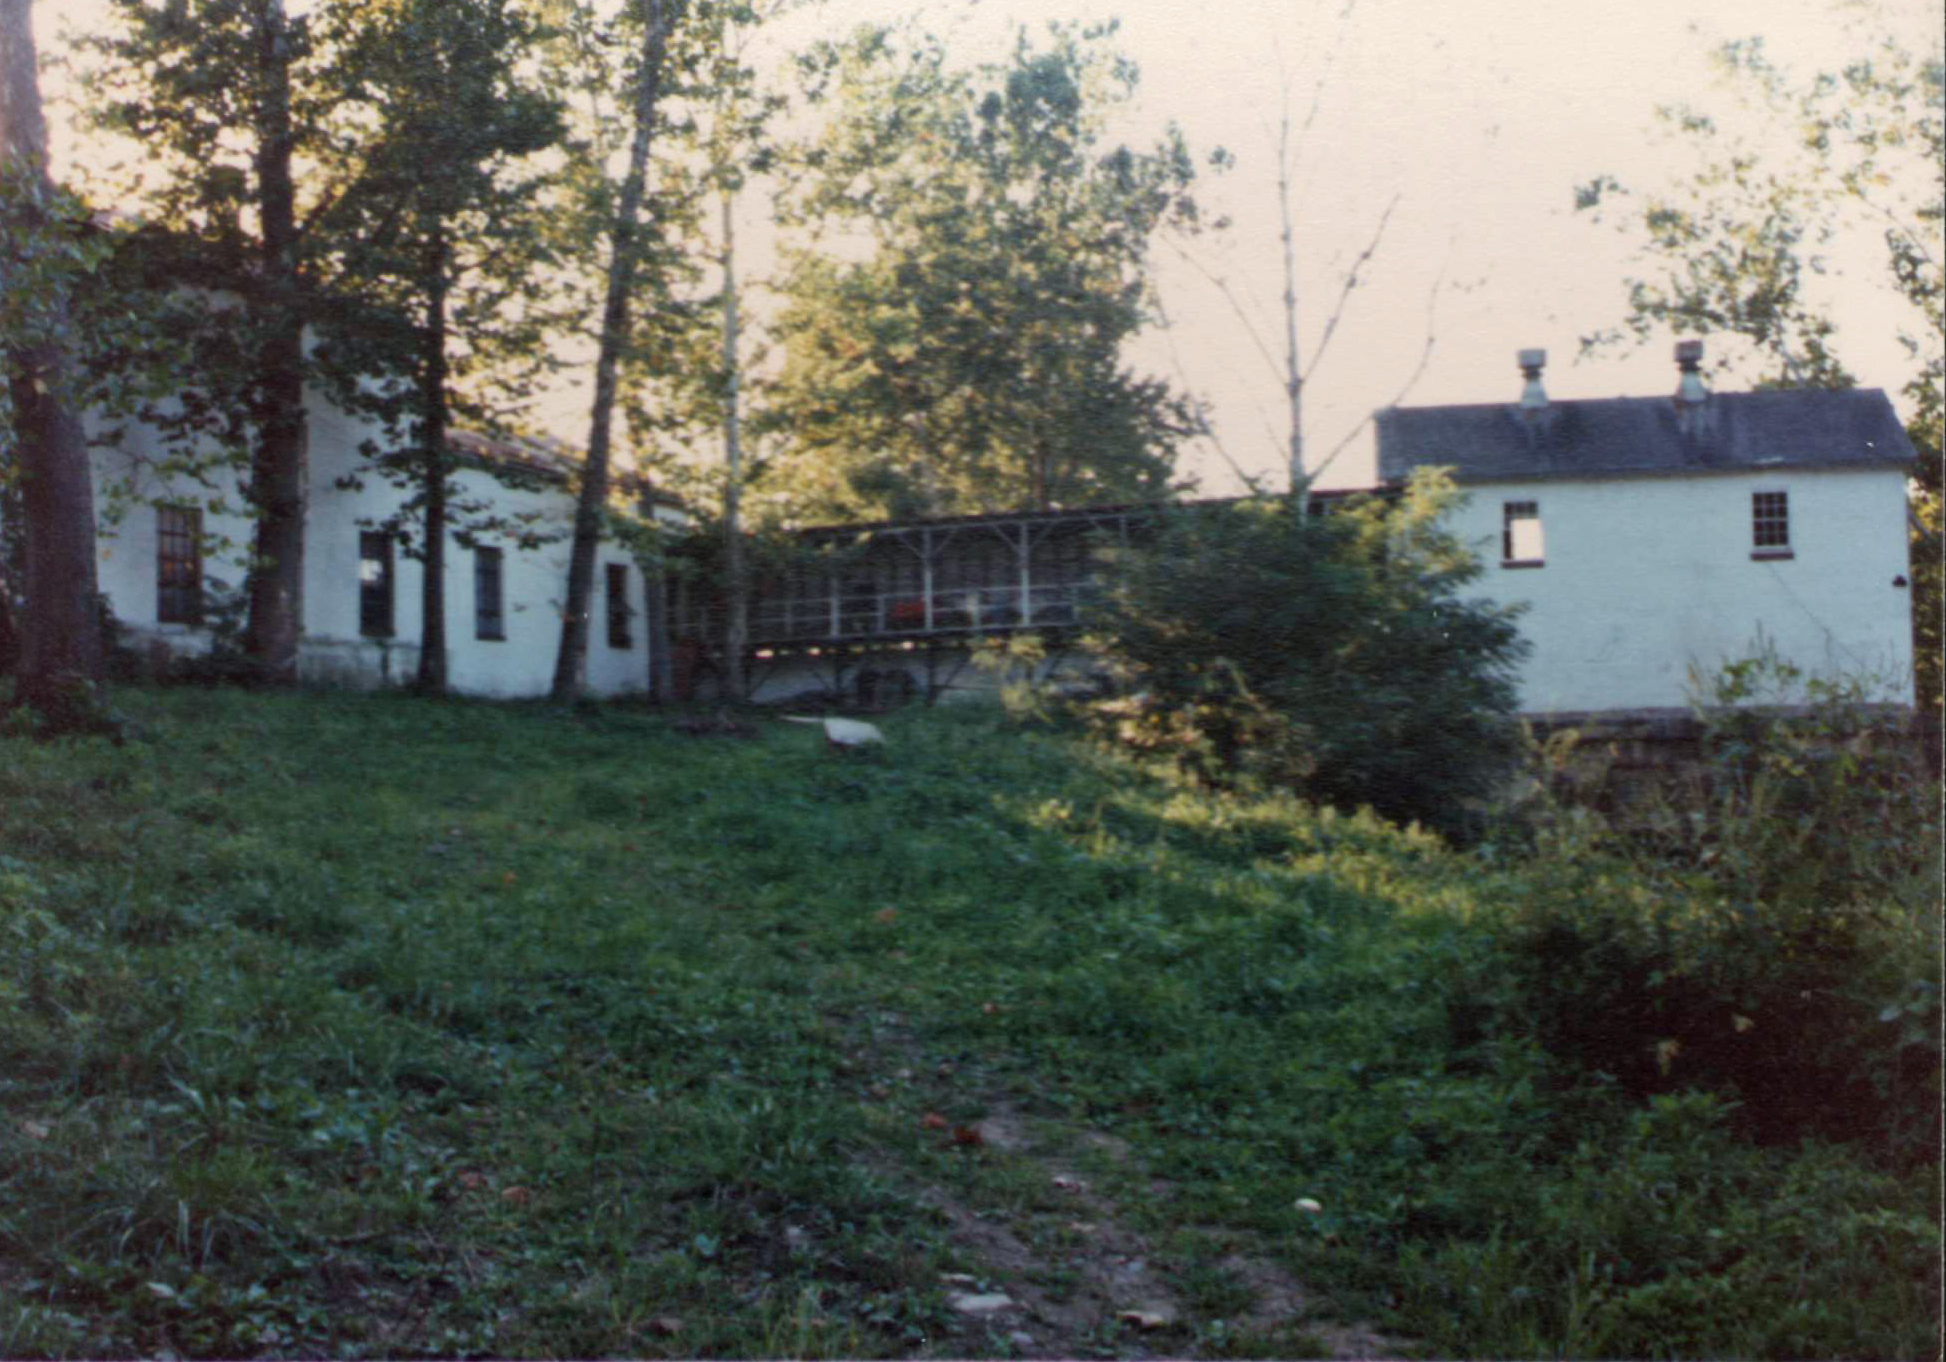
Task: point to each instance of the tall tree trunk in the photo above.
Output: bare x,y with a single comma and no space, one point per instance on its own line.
13,563
278,471
1293,371
61,638
433,468
625,250
736,634
662,673
60,644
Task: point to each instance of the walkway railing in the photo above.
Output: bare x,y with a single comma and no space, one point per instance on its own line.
846,615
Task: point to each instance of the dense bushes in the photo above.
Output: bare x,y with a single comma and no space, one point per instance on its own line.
1328,654
1770,933
1666,1230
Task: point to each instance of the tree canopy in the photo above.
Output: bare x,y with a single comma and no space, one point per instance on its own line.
650,25
231,101
1334,654
1758,240
953,338
443,256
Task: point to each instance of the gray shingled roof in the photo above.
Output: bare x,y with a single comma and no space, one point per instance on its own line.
1620,436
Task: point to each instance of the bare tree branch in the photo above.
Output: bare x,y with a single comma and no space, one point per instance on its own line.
1222,286
1412,380
1351,282
1293,372
1916,241
1182,376
1324,71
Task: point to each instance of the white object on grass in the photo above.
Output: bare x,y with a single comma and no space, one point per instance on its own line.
842,732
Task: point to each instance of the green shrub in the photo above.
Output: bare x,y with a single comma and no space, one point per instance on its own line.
1771,933
225,614
1330,654
1668,1231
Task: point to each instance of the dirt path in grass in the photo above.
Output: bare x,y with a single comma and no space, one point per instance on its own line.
1064,1274
1053,1267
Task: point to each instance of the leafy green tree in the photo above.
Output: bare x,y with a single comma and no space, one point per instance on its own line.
229,100
648,25
43,251
684,381
1329,653
437,310
1754,242
735,135
972,361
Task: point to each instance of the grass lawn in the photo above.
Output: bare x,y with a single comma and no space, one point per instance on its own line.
366,1026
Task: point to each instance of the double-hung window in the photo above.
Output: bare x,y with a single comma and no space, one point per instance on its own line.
489,607
1770,525
179,565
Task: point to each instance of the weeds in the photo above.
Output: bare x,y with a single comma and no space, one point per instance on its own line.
1767,929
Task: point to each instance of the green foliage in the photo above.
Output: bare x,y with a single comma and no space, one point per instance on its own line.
1331,654
190,83
1737,245
1769,929
438,318
1666,1227
1812,794
1752,242
142,352
442,223
230,103
94,284
973,362
50,254
1019,667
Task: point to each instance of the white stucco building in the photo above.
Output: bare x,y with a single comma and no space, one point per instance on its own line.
1650,535
1648,538
169,543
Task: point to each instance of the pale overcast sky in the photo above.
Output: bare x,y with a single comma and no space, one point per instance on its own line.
1479,116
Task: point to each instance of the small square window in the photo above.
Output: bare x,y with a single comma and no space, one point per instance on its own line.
489,610
1770,525
179,565
1521,544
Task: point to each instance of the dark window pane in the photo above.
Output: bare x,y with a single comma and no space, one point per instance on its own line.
179,564
618,611
375,584
1770,515
489,619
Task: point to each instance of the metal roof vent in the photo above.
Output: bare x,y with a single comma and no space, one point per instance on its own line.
1533,397
1692,398
1689,359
